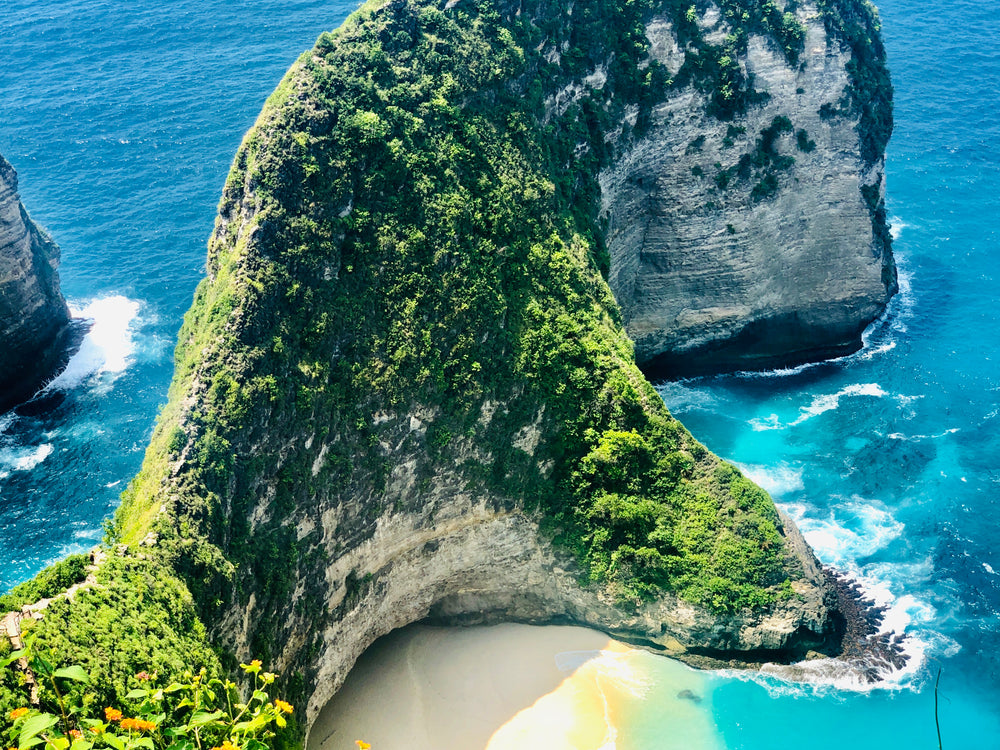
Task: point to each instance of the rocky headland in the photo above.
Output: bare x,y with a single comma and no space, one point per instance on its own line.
405,389
759,240
34,319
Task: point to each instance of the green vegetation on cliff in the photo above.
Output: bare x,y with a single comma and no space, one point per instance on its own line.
414,246
410,233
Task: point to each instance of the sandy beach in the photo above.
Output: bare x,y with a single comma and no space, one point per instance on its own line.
507,687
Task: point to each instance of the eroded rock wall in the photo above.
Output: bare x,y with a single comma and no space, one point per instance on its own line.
467,557
34,318
722,267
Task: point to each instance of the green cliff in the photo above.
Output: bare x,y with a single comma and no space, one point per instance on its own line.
404,388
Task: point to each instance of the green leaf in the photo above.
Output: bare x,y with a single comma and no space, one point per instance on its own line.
201,718
253,726
136,693
145,742
42,666
114,741
74,672
12,658
57,743
35,724
81,745
25,744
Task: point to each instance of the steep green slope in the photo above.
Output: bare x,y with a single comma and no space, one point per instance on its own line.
405,311
392,239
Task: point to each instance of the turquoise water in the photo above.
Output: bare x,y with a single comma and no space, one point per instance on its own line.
122,117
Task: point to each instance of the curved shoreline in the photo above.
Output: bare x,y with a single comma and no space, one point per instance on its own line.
502,687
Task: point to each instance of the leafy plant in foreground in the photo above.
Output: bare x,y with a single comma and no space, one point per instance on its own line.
195,713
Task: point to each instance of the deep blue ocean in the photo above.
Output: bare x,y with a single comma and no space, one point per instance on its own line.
122,118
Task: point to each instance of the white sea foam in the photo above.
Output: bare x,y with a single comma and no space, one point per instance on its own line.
819,405
852,531
23,459
829,677
915,438
107,347
680,397
878,337
779,481
770,422
855,529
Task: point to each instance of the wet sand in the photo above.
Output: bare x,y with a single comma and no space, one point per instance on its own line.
506,687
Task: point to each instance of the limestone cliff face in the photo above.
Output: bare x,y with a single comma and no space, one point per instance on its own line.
735,248
468,557
404,389
34,318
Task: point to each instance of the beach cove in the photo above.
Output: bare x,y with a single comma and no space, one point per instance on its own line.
506,687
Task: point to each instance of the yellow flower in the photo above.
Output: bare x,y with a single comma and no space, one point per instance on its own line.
112,714
285,708
227,745
17,713
362,745
253,667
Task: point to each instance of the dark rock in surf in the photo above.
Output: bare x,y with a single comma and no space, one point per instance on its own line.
34,320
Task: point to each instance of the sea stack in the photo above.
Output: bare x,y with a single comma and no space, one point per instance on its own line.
34,319
750,234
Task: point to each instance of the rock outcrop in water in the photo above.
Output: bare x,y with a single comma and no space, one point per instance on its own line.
404,389
758,241
34,319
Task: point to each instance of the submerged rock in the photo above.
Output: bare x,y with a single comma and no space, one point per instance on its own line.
34,319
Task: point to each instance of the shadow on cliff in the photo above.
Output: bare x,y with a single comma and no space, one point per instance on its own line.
32,397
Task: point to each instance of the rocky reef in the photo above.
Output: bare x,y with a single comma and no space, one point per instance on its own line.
34,319
405,389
